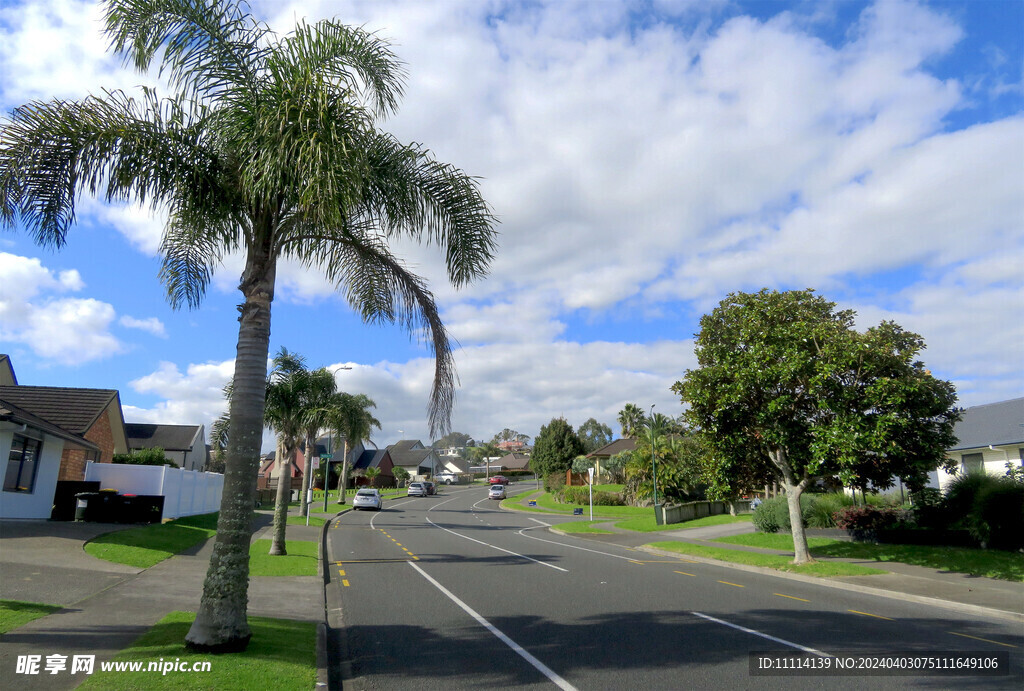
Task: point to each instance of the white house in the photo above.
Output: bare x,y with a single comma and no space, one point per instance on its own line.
988,437
30,458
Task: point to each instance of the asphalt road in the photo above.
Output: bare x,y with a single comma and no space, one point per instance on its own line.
451,592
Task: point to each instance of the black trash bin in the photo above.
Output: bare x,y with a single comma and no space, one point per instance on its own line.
83,503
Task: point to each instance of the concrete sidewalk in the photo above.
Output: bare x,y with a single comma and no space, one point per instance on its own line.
987,597
107,606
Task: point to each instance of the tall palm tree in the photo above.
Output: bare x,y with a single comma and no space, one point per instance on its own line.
631,419
269,147
320,399
352,421
284,412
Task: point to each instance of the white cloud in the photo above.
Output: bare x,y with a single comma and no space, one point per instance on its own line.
151,325
65,330
195,397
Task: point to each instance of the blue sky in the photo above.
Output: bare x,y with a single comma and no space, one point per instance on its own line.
645,159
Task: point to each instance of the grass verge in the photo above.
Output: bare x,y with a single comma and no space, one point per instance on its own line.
301,559
822,569
988,563
582,527
646,524
313,520
147,545
14,613
281,655
547,504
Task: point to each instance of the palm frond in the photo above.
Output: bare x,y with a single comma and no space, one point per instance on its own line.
205,46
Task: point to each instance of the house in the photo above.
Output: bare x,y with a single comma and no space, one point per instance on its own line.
375,458
91,414
601,455
31,451
988,437
268,472
453,464
514,461
418,460
182,444
512,445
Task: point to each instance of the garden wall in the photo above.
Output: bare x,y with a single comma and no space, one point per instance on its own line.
185,492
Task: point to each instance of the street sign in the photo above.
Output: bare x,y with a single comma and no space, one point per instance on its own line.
316,462
327,456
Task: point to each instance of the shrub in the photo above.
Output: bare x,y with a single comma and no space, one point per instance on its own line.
581,495
997,518
773,514
961,498
865,521
929,509
554,482
821,509
764,518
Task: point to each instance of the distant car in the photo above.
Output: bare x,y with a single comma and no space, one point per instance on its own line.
447,478
498,480
431,487
367,499
496,492
418,489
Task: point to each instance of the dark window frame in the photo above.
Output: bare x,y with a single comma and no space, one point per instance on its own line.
16,460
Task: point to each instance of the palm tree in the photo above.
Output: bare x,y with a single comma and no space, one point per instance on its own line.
631,419
320,398
269,147
372,474
284,412
351,419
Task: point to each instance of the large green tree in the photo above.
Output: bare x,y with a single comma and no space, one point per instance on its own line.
593,435
785,381
269,147
555,448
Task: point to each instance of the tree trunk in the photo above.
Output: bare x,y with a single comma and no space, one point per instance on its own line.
306,473
221,625
344,472
793,490
284,490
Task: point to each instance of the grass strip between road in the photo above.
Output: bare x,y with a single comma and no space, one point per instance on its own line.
281,655
822,569
313,520
647,524
15,613
301,559
988,563
587,527
147,545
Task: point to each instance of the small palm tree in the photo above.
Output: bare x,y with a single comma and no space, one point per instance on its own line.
372,474
284,412
631,419
352,421
320,398
270,148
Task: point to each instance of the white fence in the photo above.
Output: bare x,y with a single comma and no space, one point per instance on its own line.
185,492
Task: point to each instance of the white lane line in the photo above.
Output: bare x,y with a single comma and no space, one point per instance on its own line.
562,544
442,503
500,549
762,635
537,520
518,649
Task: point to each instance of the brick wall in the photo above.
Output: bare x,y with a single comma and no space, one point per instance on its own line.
72,461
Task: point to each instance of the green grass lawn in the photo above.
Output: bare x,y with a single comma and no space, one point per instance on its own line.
582,527
646,524
547,504
1007,566
281,655
14,613
821,568
301,559
147,545
313,520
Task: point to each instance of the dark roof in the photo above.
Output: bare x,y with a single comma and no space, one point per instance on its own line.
73,410
12,413
166,437
515,461
408,458
615,447
371,458
992,423
407,445
6,364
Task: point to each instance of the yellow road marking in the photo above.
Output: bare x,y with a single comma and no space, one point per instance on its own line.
981,639
634,561
792,598
369,561
686,574
733,584
344,582
868,614
341,572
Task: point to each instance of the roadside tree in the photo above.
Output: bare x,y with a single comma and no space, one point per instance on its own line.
786,384
593,435
270,148
555,448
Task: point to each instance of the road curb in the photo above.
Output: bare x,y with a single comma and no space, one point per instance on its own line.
960,607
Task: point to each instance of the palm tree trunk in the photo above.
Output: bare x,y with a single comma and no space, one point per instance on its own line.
221,625
344,473
306,470
284,490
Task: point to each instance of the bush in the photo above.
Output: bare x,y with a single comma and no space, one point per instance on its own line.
581,495
764,518
554,482
961,498
997,518
773,515
821,510
929,509
864,522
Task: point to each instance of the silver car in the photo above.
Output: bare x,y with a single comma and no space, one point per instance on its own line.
417,489
367,499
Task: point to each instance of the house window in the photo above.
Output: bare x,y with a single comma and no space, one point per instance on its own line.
21,464
972,463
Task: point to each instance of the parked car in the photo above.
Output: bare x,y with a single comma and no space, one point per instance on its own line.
431,487
496,492
498,480
447,478
417,489
367,499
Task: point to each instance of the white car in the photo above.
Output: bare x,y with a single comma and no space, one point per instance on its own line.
417,489
497,492
367,499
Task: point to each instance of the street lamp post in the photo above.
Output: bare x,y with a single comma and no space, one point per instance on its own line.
330,453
